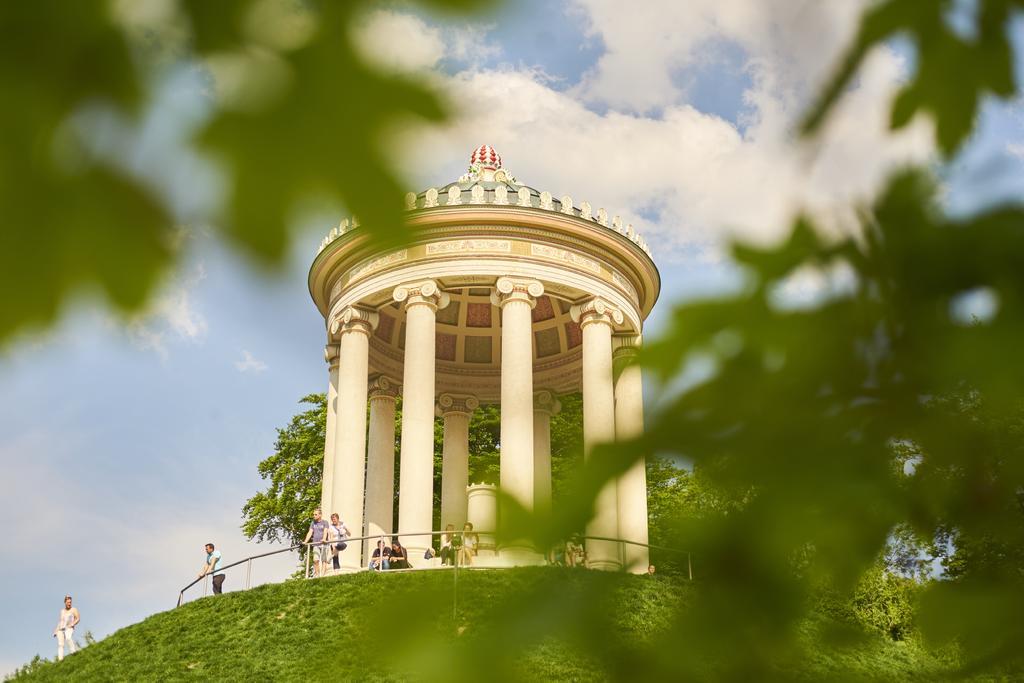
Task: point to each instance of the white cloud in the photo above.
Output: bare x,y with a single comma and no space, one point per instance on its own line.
695,177
172,317
250,363
402,42
792,43
398,41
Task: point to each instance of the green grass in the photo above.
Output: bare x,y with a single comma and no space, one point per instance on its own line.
400,626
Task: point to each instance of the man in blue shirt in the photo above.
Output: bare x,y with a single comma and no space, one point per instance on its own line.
316,536
212,566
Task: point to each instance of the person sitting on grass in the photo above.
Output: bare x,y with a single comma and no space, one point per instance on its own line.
399,558
381,558
469,543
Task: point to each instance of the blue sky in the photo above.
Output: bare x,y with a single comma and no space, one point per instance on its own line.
126,445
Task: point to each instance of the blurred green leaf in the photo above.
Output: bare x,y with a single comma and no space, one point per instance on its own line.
69,224
313,125
954,73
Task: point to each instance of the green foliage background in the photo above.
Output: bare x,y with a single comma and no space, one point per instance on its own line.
808,417
283,511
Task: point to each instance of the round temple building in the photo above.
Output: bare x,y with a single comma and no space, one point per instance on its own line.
502,294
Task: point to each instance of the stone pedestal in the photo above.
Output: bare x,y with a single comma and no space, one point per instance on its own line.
483,513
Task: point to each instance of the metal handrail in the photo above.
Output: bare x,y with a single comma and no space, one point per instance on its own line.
181,593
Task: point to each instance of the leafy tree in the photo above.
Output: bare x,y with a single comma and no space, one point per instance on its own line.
282,512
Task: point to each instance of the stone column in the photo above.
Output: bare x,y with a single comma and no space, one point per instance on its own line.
380,461
545,404
596,318
516,299
456,411
631,487
482,511
327,480
353,326
416,471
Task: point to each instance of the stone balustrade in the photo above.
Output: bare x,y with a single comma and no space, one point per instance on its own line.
476,194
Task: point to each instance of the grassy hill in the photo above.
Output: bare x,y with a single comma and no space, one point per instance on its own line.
401,626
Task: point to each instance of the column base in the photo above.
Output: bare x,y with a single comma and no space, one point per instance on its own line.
604,565
518,556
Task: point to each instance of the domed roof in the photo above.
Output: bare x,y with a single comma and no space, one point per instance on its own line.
487,181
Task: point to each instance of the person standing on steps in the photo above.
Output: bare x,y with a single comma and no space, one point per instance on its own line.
65,631
212,566
316,535
337,532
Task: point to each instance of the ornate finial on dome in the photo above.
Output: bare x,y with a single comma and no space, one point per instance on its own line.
486,158
485,164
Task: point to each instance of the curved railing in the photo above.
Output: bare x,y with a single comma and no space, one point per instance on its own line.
359,539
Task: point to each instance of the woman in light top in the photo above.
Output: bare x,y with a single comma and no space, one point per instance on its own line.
469,543
65,631
337,532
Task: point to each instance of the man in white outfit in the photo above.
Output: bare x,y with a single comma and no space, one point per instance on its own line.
65,631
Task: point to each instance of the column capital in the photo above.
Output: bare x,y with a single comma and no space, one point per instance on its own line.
596,310
331,355
516,289
626,346
425,293
354,319
463,404
545,401
382,387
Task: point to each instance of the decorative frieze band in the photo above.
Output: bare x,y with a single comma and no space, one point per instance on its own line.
425,293
463,404
516,289
596,310
383,387
545,400
354,319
